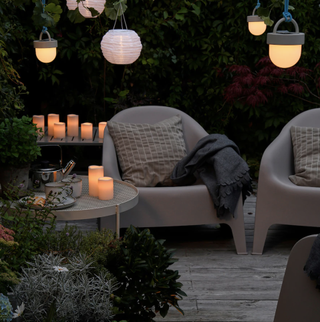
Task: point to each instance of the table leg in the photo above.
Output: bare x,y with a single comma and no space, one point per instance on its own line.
118,220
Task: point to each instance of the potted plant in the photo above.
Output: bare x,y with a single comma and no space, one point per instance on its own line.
18,148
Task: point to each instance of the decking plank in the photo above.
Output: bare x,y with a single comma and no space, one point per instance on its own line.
221,285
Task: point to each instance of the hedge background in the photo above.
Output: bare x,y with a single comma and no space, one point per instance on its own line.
188,49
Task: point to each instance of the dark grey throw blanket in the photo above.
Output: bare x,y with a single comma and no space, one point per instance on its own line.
312,267
217,161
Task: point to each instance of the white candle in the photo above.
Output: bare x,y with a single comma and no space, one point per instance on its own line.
59,130
105,188
52,118
86,131
94,173
73,124
39,121
102,125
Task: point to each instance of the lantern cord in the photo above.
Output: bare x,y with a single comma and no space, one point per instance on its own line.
258,5
44,29
115,21
287,15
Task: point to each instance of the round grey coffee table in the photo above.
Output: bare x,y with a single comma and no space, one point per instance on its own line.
87,207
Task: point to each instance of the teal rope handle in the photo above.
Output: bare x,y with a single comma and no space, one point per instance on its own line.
258,5
44,29
286,14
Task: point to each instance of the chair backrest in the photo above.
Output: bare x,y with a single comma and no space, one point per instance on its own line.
150,114
278,157
299,299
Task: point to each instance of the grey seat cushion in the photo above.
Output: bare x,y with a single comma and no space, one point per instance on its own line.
147,153
306,150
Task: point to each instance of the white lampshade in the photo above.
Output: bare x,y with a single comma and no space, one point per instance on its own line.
72,4
83,5
257,28
285,56
285,47
121,46
96,4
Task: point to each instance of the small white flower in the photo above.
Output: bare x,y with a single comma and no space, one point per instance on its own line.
60,269
18,312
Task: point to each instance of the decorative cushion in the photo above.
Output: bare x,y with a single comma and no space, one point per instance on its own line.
306,150
147,153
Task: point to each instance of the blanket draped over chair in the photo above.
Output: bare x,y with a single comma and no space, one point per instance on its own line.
217,162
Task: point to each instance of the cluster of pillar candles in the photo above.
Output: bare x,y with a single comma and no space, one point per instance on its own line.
57,129
99,186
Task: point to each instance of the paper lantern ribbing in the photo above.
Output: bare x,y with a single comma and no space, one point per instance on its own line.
84,4
121,46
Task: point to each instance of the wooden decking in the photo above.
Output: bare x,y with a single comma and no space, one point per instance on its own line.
221,285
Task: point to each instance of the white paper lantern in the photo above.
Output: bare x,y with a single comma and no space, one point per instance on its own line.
72,4
121,46
84,4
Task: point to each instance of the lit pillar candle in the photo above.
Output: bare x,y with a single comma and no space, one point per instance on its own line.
52,118
102,125
59,130
39,121
105,188
86,131
94,173
73,124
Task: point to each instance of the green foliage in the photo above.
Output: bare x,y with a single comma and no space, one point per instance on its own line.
8,278
18,141
55,289
147,285
102,247
31,227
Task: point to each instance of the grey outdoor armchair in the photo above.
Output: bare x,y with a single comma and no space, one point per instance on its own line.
299,297
170,206
279,201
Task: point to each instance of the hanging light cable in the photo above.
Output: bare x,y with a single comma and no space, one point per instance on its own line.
256,25
285,47
46,49
121,46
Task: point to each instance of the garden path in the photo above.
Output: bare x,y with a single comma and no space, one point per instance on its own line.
221,285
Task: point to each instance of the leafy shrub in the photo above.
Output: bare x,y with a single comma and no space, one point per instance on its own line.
147,286
53,288
102,247
8,278
31,227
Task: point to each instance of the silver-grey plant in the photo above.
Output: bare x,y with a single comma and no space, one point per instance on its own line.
53,291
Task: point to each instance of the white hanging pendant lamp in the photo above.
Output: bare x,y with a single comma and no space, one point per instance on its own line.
121,46
285,47
46,49
83,6
256,25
